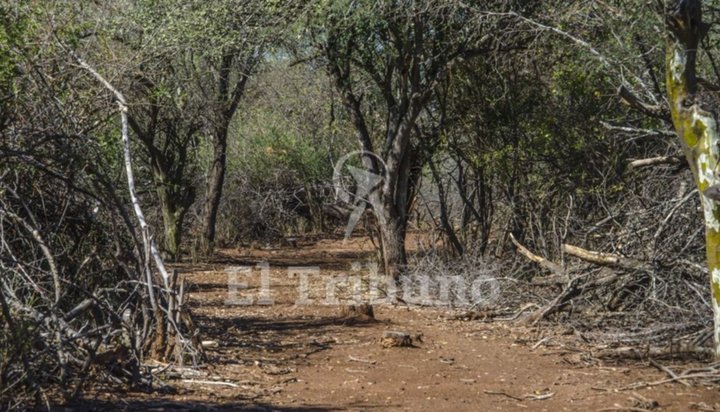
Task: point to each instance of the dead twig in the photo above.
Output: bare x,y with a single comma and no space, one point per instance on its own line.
219,383
361,360
517,398
630,352
667,370
529,396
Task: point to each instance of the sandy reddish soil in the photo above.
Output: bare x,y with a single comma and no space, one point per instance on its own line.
308,358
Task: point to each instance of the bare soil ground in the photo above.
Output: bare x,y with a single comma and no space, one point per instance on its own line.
287,357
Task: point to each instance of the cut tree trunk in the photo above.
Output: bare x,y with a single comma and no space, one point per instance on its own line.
362,311
696,127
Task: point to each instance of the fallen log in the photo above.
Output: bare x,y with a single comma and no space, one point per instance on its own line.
606,259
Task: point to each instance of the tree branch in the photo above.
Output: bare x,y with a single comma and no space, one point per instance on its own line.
654,161
605,259
630,99
551,266
147,238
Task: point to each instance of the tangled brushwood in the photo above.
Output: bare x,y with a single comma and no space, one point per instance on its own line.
75,304
84,295
622,268
531,148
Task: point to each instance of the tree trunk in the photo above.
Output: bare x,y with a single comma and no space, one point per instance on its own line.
173,216
392,234
227,104
173,233
215,187
696,127
444,217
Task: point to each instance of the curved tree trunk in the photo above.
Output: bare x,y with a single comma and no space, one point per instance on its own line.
697,129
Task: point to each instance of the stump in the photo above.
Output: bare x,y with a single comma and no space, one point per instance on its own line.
361,311
395,339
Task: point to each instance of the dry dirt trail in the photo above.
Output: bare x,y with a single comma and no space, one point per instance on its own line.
307,358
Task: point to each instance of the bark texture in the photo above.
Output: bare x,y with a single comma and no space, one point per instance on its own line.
232,65
696,126
214,191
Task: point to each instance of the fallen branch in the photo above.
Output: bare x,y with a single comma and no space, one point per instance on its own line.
230,384
79,309
361,360
652,352
629,98
655,161
547,264
517,398
569,292
637,130
605,259
668,371
528,396
711,375
542,397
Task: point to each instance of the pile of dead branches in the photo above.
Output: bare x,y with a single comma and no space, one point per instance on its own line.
636,276
622,260
85,298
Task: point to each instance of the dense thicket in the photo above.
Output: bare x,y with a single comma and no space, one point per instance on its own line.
539,125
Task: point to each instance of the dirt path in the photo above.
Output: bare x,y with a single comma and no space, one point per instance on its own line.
308,358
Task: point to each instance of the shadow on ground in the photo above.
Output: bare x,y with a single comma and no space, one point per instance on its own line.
250,337
171,405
